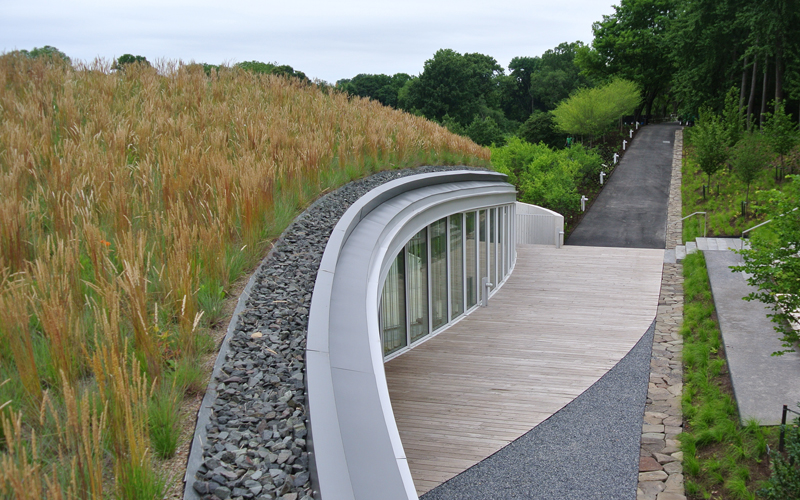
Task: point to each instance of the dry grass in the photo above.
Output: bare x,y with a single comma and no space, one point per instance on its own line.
130,202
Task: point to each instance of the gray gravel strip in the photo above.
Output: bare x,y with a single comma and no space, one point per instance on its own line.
250,440
588,449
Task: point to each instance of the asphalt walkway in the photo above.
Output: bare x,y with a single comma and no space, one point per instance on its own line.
762,383
631,210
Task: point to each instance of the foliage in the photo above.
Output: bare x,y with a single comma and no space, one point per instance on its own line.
631,44
129,204
772,261
383,88
709,139
454,84
785,480
749,158
261,68
47,53
780,132
547,177
540,127
126,59
732,119
719,453
484,131
594,112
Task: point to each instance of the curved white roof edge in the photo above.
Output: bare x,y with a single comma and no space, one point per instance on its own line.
356,447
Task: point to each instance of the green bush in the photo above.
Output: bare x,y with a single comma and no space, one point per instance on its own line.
546,177
485,131
540,127
785,480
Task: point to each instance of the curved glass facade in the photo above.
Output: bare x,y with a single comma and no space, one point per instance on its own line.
437,277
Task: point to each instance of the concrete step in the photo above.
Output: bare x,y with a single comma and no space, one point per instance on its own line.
691,247
680,253
719,244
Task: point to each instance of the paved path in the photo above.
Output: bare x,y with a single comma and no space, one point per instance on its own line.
761,382
631,211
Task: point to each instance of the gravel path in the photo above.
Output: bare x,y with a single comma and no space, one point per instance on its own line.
588,449
250,437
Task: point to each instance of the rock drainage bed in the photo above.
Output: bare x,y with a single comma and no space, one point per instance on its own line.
254,444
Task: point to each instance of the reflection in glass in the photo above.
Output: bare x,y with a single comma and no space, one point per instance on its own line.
472,263
491,250
483,268
393,307
439,273
417,255
456,266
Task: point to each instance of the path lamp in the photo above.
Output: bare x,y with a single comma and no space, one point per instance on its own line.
624,143
616,157
637,125
630,135
602,175
584,199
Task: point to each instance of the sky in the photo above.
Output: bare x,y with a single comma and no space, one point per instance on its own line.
327,40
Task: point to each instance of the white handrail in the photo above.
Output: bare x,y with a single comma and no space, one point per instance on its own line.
705,221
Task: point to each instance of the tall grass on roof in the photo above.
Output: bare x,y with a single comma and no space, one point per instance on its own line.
129,202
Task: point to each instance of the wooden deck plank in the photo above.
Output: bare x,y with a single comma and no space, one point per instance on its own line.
562,320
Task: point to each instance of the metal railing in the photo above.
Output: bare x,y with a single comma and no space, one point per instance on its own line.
764,223
783,425
705,221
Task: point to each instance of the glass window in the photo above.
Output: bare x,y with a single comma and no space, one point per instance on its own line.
483,261
501,254
471,260
456,266
393,307
492,249
417,280
439,315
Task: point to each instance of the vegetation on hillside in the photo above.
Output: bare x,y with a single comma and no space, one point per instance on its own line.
130,201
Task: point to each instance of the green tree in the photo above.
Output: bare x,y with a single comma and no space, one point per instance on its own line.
631,43
749,158
709,139
781,132
515,89
259,67
453,84
540,127
772,261
126,59
593,112
485,131
382,88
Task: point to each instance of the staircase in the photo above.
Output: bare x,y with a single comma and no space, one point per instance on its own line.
681,251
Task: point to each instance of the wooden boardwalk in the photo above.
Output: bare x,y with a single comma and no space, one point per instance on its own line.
562,320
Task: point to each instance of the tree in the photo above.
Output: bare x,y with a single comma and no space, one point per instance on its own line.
781,133
709,139
772,261
453,84
126,59
515,89
382,88
595,111
540,127
749,158
484,131
631,44
259,67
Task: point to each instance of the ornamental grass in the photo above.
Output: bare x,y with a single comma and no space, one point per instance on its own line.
130,201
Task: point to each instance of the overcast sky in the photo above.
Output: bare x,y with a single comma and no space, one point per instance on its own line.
325,39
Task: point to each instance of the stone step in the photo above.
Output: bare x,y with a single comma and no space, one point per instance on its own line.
691,247
721,243
680,253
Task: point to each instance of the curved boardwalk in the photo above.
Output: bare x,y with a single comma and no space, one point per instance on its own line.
562,321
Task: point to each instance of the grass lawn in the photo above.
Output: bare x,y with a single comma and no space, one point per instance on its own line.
723,459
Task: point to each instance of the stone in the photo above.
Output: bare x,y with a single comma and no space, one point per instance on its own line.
673,467
653,476
222,493
663,459
669,495
674,483
648,464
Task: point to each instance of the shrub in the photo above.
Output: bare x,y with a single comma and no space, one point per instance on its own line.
785,480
